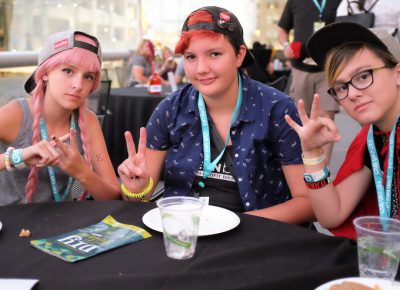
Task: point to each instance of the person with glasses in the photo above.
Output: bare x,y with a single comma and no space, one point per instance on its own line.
223,136
364,78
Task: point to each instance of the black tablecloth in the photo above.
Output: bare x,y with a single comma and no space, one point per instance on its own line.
258,254
130,109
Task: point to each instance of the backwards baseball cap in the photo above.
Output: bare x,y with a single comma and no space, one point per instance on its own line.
59,42
338,33
224,22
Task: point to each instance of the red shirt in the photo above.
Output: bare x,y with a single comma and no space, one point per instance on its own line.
353,162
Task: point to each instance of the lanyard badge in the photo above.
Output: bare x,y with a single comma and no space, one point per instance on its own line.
384,194
52,176
208,165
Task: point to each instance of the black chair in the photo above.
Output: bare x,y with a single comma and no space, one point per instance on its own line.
98,100
279,84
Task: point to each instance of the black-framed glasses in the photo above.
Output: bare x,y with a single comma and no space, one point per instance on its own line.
360,81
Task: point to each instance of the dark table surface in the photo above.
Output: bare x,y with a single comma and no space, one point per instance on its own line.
258,254
130,109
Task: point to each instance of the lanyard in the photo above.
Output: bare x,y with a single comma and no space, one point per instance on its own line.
53,181
209,166
320,7
384,195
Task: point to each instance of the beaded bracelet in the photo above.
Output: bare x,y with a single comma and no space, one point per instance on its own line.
142,194
313,161
17,160
7,159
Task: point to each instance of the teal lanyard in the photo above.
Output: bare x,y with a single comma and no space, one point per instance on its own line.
209,166
384,195
53,181
320,7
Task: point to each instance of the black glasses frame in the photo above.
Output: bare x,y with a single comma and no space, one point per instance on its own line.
331,90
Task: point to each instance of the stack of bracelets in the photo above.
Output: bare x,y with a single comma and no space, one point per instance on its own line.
139,195
17,161
319,179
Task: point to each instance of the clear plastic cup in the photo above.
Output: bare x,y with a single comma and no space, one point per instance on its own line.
378,244
180,217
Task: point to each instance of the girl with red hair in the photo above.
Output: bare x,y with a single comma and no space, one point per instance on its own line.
222,137
43,135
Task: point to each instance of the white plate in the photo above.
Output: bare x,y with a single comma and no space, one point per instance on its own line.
214,220
370,282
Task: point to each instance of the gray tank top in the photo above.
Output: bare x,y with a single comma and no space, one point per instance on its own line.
12,184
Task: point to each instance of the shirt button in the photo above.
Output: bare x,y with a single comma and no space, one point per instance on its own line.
247,203
233,132
236,155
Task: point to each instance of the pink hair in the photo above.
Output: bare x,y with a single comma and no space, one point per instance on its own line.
76,56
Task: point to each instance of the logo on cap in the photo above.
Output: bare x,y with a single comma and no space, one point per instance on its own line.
61,43
225,16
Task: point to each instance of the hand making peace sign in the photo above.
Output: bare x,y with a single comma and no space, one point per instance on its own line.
133,171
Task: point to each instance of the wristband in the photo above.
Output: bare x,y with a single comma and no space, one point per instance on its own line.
313,161
7,159
142,194
318,184
317,176
286,44
17,160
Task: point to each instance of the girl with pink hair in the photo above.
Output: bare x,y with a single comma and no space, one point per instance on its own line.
44,136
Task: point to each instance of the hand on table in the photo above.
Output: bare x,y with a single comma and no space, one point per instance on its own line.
133,170
316,131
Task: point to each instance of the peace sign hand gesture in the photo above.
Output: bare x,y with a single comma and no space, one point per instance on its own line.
316,131
133,170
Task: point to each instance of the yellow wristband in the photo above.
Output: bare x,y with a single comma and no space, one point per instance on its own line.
313,161
142,194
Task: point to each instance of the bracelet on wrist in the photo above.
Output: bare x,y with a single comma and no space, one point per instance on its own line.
317,176
286,44
139,195
7,158
17,160
319,184
313,161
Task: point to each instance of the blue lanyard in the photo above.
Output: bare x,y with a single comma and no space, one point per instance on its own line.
53,181
320,7
209,166
384,195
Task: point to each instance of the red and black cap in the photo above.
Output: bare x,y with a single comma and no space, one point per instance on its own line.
224,22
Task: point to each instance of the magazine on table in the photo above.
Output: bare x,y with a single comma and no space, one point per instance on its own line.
92,240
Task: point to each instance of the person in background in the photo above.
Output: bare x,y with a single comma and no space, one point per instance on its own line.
169,64
42,136
305,17
140,64
386,13
364,78
223,136
180,77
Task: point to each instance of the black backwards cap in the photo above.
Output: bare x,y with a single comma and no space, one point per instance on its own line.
338,33
224,22
59,42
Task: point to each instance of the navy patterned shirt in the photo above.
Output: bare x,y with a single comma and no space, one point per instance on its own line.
262,142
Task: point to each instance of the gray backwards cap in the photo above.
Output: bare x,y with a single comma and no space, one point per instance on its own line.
59,42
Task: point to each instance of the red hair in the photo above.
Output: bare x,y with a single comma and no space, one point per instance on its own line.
196,17
201,16
81,58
